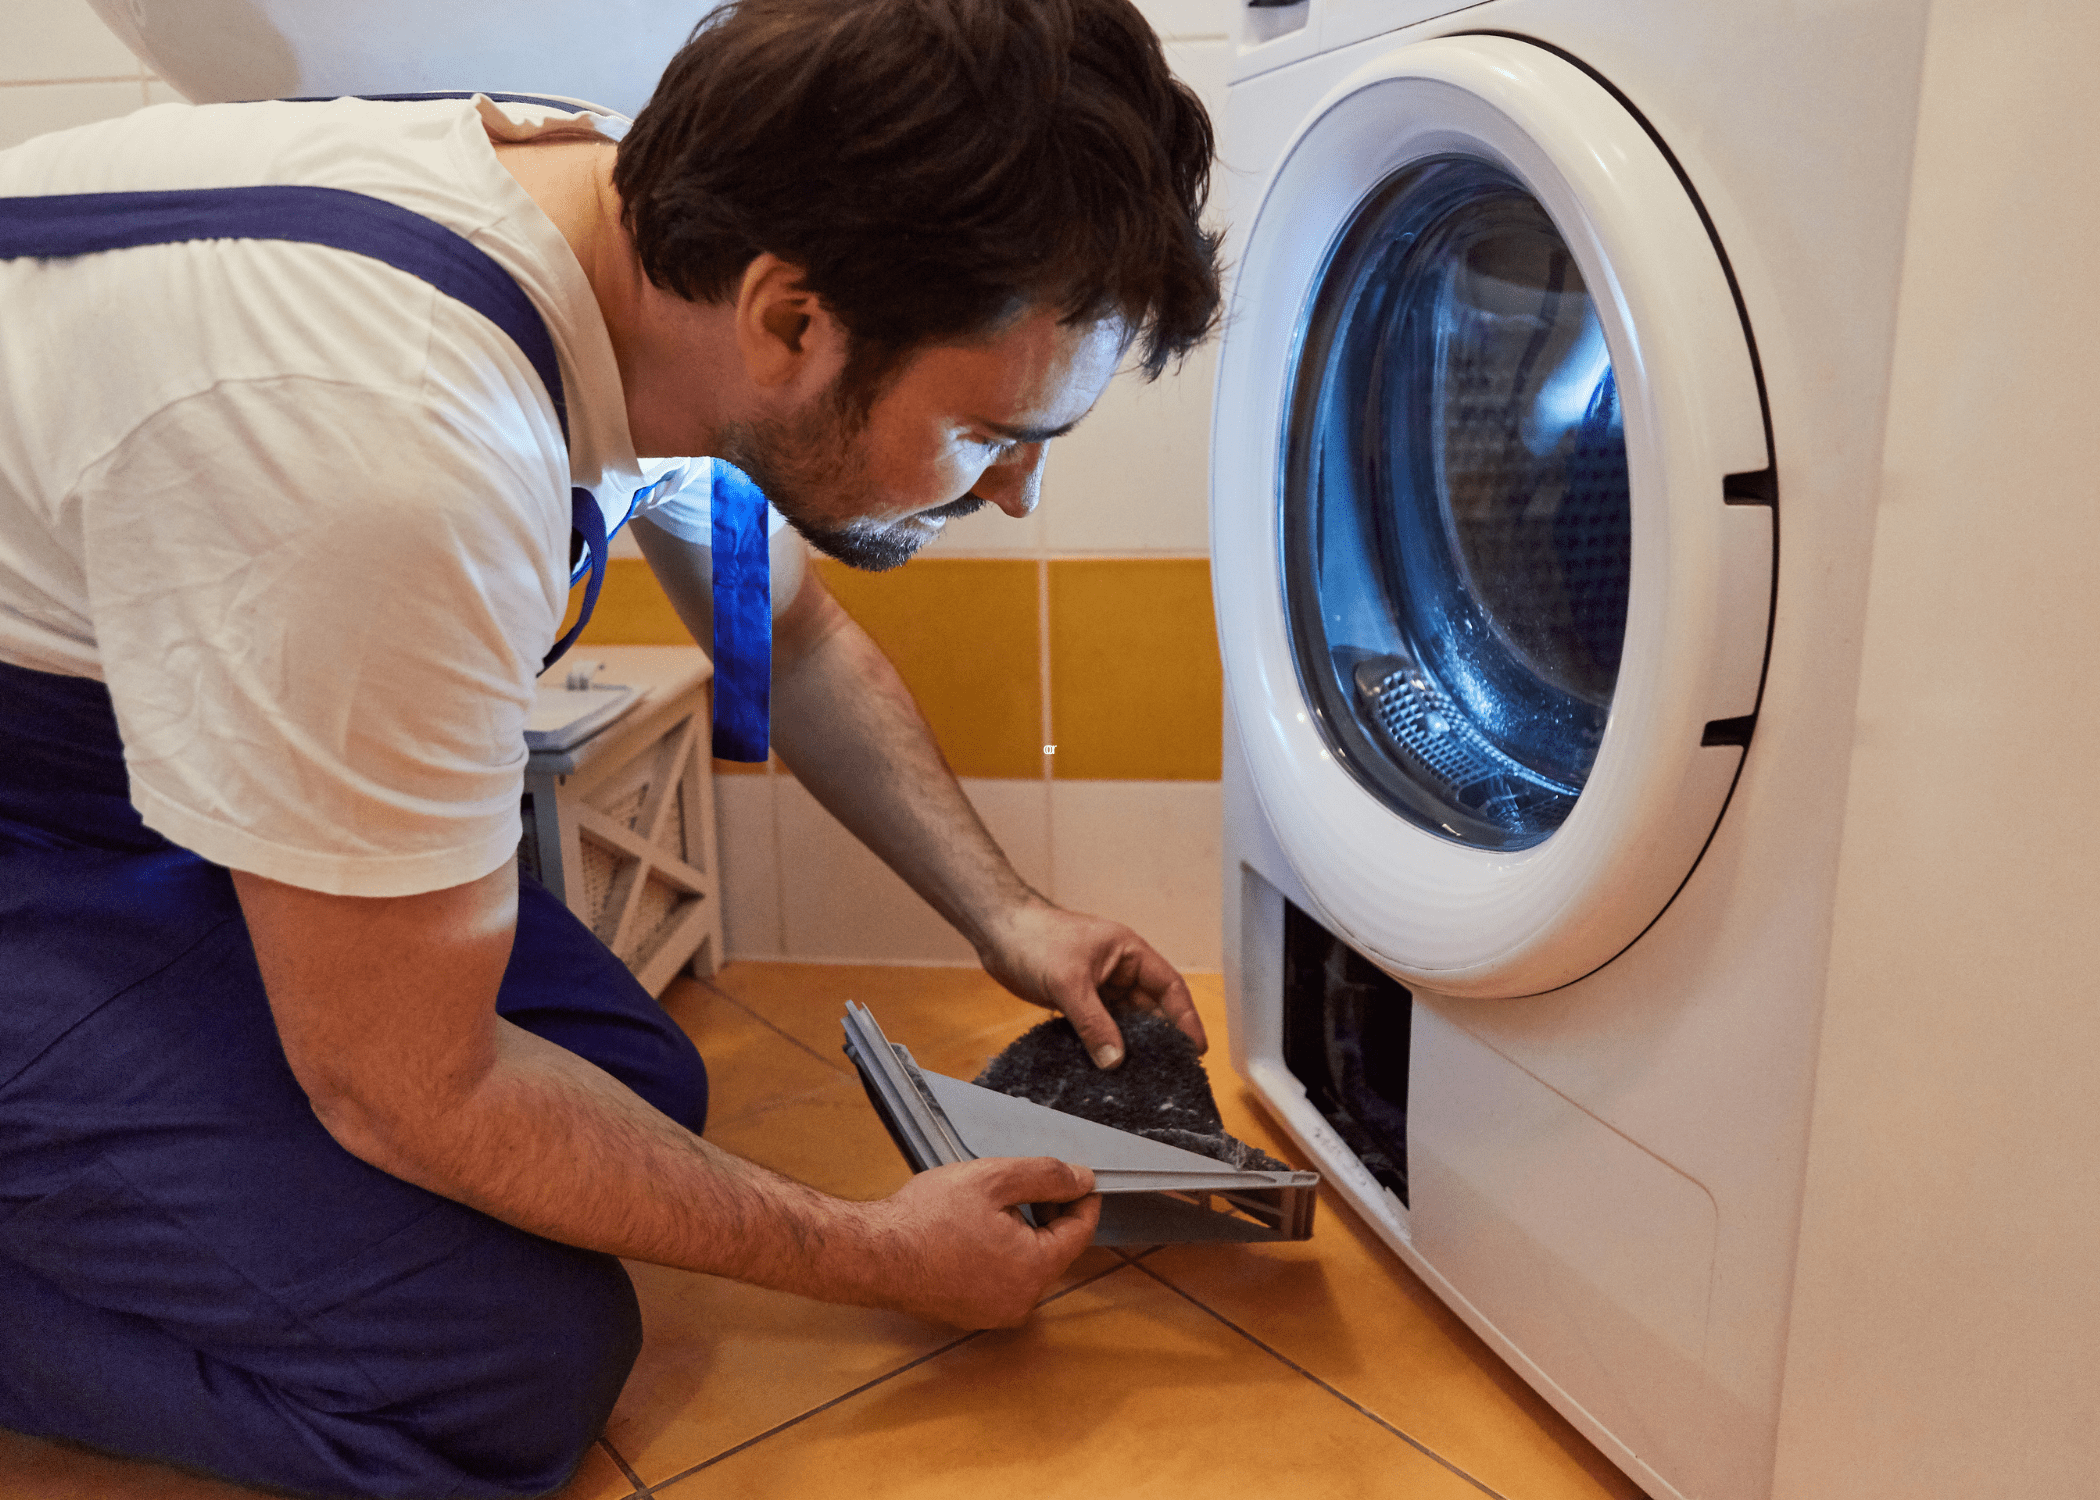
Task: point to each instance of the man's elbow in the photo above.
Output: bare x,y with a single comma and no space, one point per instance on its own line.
403,1134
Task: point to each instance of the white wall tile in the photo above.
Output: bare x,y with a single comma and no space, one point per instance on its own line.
1204,66
33,109
748,848
44,40
1018,814
1145,853
1175,18
1135,475
158,92
840,904
992,532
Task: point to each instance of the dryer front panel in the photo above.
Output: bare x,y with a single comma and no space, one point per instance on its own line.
1494,629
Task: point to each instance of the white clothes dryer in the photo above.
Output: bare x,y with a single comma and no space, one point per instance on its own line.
1547,430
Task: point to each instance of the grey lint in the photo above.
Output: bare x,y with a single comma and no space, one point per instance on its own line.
1160,1092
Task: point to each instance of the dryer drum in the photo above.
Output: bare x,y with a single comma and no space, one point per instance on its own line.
1457,527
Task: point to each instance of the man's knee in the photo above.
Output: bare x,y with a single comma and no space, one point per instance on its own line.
521,1422
498,1403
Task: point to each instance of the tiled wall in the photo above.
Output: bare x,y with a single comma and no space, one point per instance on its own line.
1086,626
60,66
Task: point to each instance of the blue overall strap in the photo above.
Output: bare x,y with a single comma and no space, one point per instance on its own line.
743,597
68,224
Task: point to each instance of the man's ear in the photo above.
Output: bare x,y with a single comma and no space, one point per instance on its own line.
789,339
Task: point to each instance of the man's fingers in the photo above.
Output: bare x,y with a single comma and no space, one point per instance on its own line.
1096,1027
1155,984
1073,1229
1040,1179
1180,1008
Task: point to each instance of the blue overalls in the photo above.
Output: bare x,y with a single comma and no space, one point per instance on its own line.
191,1269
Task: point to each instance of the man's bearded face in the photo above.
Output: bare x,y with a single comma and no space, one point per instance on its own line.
814,462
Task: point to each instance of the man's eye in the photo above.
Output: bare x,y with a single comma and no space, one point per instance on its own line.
997,447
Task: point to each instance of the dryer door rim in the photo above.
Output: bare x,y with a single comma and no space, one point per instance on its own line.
1442,915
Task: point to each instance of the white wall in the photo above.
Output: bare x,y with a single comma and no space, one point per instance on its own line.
1946,1335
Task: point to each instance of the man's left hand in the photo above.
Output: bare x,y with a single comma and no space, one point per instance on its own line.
1082,965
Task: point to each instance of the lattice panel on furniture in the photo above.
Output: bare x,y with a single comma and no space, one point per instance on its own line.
622,827
645,887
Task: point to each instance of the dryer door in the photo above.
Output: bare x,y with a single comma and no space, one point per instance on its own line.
1493,628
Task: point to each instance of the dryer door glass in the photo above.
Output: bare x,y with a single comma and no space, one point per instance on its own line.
1456,528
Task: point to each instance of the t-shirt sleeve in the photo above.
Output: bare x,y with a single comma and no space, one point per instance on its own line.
320,611
678,501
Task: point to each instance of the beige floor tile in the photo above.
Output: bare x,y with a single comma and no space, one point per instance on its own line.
953,1020
723,1363
828,1136
598,1478
32,1469
751,1067
1120,1388
1347,1309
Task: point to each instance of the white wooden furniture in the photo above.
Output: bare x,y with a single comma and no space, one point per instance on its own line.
622,826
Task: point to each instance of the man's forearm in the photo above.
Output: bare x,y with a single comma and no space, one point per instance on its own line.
548,1142
386,1009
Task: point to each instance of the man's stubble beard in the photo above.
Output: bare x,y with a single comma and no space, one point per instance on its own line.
815,459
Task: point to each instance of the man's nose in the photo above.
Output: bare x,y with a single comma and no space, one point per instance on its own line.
1015,483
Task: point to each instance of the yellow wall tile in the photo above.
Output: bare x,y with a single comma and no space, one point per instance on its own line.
1136,691
962,632
749,767
632,609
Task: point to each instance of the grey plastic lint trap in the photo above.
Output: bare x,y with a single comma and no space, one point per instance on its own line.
1151,1193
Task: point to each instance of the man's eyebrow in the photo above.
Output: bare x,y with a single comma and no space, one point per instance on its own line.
1025,434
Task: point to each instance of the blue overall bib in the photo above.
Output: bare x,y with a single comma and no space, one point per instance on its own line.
191,1269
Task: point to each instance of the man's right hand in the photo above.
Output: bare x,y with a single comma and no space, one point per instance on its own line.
953,1245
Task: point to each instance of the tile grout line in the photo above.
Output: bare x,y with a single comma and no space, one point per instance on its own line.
780,909
784,1036
1417,1444
1089,1281
1047,722
822,1407
817,1410
641,1491
33,83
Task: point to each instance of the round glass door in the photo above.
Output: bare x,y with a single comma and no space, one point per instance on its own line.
1456,526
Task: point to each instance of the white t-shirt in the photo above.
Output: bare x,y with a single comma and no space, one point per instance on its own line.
305,515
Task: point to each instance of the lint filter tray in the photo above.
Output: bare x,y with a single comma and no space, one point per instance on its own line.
1151,1193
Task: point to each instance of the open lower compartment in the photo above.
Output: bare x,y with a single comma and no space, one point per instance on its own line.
1346,1025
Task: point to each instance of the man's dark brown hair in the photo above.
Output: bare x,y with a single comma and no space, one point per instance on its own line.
933,167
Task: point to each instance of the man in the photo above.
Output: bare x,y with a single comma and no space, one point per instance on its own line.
319,1128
